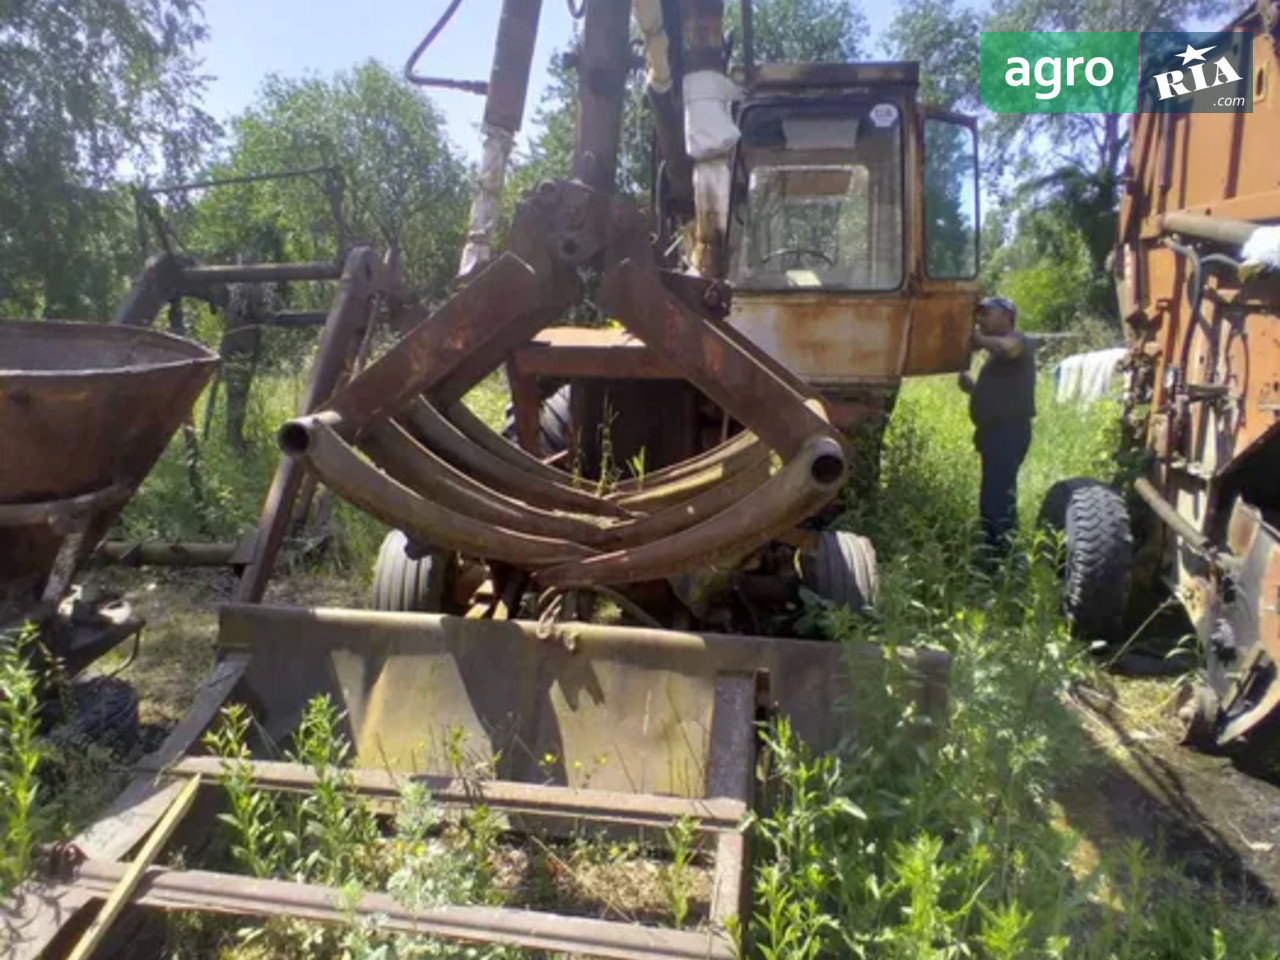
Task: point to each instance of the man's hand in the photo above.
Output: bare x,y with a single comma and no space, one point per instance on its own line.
1008,346
965,380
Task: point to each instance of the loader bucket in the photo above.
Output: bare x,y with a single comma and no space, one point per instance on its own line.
623,709
86,409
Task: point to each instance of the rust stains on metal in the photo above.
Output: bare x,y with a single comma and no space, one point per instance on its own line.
86,409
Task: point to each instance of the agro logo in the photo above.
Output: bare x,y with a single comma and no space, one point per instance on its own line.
1174,82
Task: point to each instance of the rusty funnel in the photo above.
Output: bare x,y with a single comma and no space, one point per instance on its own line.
86,409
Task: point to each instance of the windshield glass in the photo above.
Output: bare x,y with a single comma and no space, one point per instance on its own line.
818,198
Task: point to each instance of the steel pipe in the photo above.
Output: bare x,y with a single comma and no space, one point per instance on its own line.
433,430
421,470
660,496
1217,229
343,331
260,273
338,466
798,490
1167,512
726,453
461,421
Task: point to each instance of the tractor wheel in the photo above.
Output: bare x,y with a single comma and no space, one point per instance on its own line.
844,570
1197,709
1098,561
554,418
406,585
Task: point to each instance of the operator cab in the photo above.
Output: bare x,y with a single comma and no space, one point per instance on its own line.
852,237
818,198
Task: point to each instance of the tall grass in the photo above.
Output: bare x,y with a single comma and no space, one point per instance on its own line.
956,846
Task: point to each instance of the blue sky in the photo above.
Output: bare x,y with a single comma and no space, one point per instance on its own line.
250,39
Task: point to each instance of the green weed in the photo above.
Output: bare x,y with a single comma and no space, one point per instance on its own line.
19,757
962,851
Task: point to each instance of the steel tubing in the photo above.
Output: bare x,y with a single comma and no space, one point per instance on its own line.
1218,229
339,467
433,430
802,487
422,471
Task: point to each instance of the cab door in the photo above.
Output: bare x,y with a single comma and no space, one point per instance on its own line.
944,243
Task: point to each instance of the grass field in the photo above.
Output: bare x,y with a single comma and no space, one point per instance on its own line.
974,843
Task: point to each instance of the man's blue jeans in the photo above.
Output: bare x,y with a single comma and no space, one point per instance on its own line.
1002,446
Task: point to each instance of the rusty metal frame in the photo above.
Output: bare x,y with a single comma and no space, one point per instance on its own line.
200,891
449,484
88,870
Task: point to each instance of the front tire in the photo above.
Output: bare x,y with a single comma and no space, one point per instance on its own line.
402,584
1097,566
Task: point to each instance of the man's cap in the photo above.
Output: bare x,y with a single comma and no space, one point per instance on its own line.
1004,303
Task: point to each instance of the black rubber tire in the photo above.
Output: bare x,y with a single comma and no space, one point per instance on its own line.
844,570
1097,565
404,585
99,711
554,421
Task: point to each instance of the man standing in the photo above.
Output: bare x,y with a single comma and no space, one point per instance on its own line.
1002,405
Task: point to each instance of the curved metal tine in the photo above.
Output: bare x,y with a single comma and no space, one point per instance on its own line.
717,454
342,470
795,492
426,473
753,389
426,424
680,490
461,418
695,510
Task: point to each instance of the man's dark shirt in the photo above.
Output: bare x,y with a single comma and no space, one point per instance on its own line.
1005,389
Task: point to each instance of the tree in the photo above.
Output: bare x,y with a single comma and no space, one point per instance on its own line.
801,31
88,88
1064,166
401,185
943,38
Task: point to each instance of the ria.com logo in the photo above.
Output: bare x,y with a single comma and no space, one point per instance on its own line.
1117,72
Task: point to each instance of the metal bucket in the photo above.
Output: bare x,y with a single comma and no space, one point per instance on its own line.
617,708
86,409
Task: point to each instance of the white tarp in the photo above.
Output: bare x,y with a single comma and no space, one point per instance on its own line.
1087,377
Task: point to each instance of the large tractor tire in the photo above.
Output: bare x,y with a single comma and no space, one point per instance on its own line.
553,420
403,584
1097,565
844,570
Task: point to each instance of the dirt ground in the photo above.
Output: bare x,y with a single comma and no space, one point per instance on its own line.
1220,822
1138,783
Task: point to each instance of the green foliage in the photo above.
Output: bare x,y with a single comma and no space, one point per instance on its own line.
1056,173
399,183
942,36
19,757
681,837
957,846
802,31
331,836
1051,291
87,87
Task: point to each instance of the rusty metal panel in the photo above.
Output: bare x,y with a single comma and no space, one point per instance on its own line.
85,409
833,339
549,705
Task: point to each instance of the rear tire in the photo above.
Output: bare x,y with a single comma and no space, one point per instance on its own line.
404,585
554,418
844,570
1097,566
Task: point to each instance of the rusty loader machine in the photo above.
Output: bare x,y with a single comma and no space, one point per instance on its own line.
813,241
